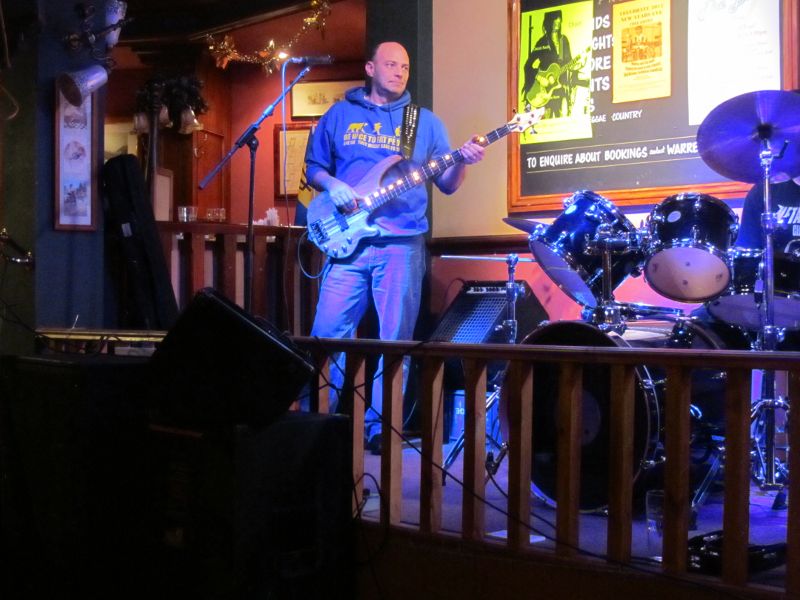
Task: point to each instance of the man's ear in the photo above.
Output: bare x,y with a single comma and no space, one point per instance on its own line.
369,67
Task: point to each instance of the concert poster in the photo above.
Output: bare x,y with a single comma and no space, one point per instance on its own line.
622,119
641,58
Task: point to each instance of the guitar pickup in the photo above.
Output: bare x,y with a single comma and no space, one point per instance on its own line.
341,220
318,232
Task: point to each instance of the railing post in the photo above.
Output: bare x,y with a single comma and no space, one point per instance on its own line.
473,494
736,516
392,428
356,371
430,500
620,482
520,411
676,469
570,390
793,517
225,260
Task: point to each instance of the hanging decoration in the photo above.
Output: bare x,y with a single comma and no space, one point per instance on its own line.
270,57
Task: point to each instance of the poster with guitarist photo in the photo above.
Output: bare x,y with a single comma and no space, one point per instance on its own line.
622,117
555,54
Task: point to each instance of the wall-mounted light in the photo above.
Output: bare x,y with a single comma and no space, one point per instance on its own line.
79,85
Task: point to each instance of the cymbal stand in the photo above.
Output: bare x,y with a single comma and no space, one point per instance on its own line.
767,470
509,327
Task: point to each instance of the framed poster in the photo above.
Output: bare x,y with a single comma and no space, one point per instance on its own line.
313,98
290,157
75,165
623,101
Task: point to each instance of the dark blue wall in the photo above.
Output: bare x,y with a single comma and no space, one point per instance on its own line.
68,277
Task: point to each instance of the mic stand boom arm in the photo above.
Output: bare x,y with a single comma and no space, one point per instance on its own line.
249,138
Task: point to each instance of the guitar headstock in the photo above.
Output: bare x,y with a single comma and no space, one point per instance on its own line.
526,120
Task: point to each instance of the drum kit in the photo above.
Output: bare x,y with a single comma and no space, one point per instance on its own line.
686,252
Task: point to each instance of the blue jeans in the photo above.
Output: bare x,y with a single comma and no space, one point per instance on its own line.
391,270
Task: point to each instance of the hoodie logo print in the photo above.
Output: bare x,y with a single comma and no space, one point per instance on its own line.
358,134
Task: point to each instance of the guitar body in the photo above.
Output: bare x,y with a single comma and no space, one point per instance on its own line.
336,233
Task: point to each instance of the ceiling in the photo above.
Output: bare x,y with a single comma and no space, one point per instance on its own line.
181,19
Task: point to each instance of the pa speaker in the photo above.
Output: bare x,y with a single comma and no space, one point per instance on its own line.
247,513
219,365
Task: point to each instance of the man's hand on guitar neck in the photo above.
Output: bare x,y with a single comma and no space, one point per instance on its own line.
472,152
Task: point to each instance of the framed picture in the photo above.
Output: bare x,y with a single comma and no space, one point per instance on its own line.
622,103
313,98
75,156
290,155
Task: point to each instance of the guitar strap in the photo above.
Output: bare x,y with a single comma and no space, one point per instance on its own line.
408,133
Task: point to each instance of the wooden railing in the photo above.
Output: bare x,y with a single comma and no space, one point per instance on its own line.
212,254
519,387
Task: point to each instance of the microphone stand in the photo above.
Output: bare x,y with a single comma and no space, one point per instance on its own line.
249,138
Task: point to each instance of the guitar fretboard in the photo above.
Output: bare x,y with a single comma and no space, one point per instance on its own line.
425,172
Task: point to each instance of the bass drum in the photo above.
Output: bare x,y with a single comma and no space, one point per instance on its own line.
707,399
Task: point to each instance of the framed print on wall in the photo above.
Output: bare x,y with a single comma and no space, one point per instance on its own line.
292,155
313,98
623,99
75,153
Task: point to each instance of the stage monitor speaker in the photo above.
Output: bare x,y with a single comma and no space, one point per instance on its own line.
477,313
476,317
219,365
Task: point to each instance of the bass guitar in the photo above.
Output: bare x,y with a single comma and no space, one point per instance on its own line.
337,233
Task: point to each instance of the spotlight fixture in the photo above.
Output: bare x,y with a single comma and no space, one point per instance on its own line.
79,85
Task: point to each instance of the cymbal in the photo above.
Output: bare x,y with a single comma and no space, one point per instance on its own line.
731,137
525,225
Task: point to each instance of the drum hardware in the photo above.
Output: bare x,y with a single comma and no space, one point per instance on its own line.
729,140
607,315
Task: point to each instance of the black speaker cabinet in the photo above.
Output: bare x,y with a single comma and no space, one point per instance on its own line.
219,365
476,317
255,513
73,498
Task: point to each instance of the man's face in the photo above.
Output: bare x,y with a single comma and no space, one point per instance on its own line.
389,70
557,25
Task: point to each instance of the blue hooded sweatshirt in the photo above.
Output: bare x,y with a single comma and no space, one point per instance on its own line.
355,134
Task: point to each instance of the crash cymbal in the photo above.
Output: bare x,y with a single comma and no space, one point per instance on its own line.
525,225
732,136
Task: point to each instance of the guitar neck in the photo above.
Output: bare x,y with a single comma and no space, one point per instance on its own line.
425,172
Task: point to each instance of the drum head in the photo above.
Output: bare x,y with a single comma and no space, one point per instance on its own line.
554,263
595,417
673,273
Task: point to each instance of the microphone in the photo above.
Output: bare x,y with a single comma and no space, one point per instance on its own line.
312,60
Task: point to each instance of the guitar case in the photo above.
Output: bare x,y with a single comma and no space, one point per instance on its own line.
142,281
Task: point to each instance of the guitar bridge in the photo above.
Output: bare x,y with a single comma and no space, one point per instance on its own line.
318,232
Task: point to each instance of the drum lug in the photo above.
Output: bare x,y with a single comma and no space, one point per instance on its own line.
695,233
568,201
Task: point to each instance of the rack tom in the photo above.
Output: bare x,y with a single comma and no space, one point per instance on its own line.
687,255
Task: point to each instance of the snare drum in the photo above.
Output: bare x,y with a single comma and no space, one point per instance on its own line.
561,248
687,255
708,386
738,304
